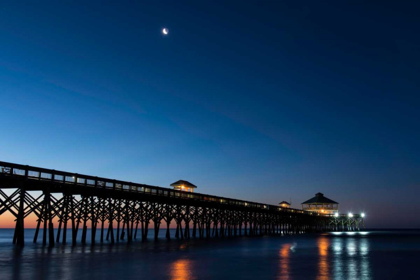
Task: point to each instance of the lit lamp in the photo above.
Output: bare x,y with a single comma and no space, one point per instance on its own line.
350,215
363,215
336,215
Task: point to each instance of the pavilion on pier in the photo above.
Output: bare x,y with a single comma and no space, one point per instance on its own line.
284,204
321,204
182,185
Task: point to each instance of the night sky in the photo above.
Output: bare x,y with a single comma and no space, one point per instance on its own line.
258,100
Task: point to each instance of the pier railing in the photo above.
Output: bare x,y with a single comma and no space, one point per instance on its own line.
80,180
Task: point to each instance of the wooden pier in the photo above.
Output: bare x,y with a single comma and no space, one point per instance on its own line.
119,210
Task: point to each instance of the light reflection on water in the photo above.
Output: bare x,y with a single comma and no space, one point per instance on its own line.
329,256
284,272
340,256
350,258
323,267
181,269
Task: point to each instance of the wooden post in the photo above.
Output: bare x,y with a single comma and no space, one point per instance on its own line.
85,218
20,227
39,223
93,219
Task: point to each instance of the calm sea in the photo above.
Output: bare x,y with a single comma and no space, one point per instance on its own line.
362,255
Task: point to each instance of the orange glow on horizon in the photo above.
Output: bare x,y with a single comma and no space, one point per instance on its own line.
8,220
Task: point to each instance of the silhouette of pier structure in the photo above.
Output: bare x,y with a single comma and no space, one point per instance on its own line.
118,210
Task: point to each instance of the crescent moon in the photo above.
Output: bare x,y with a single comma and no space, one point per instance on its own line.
165,31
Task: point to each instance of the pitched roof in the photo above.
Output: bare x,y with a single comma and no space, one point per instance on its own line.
284,202
183,182
319,198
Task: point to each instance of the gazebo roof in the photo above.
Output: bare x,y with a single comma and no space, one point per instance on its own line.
183,182
320,198
284,202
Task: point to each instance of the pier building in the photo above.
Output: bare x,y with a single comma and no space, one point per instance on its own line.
321,204
182,185
284,204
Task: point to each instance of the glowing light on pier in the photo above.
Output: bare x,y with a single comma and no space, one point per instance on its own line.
350,215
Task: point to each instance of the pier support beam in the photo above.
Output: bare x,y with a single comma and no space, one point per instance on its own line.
20,227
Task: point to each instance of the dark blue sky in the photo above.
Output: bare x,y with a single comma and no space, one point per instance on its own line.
258,100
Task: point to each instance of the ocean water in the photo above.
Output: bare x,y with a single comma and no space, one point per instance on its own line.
360,255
